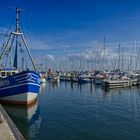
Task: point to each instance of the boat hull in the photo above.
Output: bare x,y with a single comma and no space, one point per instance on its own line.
21,88
84,81
26,98
98,81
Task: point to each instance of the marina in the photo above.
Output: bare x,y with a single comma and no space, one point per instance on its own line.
110,80
70,70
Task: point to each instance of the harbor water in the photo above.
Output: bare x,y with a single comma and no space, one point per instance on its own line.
69,111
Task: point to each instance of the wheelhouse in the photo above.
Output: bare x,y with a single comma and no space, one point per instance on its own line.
7,72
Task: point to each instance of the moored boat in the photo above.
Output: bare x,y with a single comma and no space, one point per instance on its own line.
98,79
18,86
42,78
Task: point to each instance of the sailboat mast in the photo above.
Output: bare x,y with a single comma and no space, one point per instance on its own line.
104,59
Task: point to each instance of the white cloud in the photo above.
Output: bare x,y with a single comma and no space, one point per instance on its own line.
50,57
37,43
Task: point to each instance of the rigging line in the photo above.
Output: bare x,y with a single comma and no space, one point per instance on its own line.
5,46
8,51
26,29
11,44
26,45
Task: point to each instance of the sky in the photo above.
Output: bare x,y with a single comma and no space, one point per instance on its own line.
62,27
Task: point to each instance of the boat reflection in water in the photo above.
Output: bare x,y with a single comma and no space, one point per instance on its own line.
27,119
42,88
53,86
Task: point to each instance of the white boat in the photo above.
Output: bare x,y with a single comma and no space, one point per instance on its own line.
54,77
42,78
98,79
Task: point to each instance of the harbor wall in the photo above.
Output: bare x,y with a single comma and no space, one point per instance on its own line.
8,130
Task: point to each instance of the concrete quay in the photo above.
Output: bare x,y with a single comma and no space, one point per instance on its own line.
8,130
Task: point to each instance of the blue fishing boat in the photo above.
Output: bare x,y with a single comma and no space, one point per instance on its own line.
18,85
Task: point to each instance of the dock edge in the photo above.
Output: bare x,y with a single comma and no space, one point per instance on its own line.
17,134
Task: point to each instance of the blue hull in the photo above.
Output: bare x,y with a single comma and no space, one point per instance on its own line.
84,81
22,87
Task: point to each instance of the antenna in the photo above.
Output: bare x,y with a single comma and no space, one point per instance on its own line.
18,10
14,8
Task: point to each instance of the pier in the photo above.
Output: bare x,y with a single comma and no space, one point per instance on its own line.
8,130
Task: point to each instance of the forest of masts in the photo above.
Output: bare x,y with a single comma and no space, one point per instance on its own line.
123,56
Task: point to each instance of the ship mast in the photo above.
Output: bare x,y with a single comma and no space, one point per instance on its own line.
17,34
17,20
17,31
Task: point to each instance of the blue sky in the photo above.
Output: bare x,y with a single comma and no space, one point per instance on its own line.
61,27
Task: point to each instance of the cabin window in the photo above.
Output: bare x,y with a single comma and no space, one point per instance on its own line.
8,73
13,73
2,73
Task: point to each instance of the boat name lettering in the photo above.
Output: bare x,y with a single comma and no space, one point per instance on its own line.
4,83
